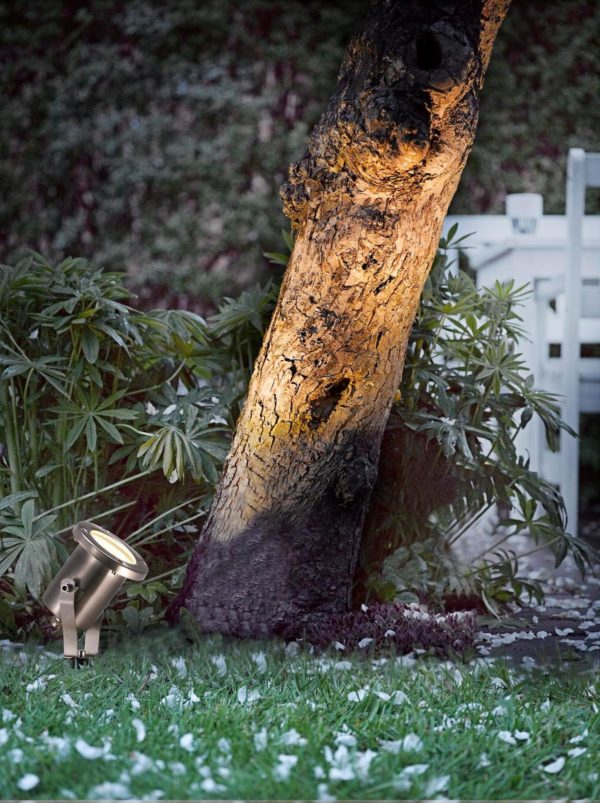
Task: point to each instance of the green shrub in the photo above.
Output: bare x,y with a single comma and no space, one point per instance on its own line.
99,404
449,454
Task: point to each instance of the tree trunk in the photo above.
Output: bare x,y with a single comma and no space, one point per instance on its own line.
367,202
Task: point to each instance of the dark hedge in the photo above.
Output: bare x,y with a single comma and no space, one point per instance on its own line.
154,136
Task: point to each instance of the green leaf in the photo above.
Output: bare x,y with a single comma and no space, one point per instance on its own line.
27,514
8,557
14,500
75,432
451,232
276,257
109,428
91,433
90,345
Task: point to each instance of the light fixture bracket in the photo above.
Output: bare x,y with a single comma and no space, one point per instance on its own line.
68,590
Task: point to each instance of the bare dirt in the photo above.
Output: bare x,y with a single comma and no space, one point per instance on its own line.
565,630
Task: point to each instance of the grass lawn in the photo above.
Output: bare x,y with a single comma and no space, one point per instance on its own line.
157,718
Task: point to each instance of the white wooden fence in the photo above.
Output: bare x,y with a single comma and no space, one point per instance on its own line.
560,256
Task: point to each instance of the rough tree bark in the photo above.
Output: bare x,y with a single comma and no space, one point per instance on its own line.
367,202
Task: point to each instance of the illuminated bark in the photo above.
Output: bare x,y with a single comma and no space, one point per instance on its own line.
367,202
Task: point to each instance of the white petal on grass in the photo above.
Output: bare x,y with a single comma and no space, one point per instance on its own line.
7,715
404,781
89,751
260,659
140,729
579,738
260,739
345,773
545,706
224,745
16,755
523,736
201,767
484,761
341,768
180,667
282,770
338,645
173,698
27,782
364,642
292,737
342,665
575,752
506,736
192,698
39,684
187,742
209,785
383,695
68,700
555,766
220,662
399,697
345,737
3,736
60,744
357,696
363,762
411,742
435,785
247,696
391,746
323,793
141,763
109,791
133,701
177,768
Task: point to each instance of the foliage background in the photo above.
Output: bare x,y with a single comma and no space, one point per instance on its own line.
154,136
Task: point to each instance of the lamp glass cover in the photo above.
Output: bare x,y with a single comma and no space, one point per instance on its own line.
113,545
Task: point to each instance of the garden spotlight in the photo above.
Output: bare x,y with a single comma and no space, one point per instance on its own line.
82,589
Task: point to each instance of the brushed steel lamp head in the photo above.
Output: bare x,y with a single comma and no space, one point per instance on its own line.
91,577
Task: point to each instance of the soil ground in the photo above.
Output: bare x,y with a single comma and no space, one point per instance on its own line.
565,629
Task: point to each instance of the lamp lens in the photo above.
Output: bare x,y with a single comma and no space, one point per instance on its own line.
113,545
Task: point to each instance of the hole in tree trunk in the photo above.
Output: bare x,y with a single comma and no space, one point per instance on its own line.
429,52
323,407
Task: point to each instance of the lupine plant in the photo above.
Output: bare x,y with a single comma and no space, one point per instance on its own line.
103,415
464,397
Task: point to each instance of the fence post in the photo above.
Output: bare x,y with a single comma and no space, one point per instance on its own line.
571,348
